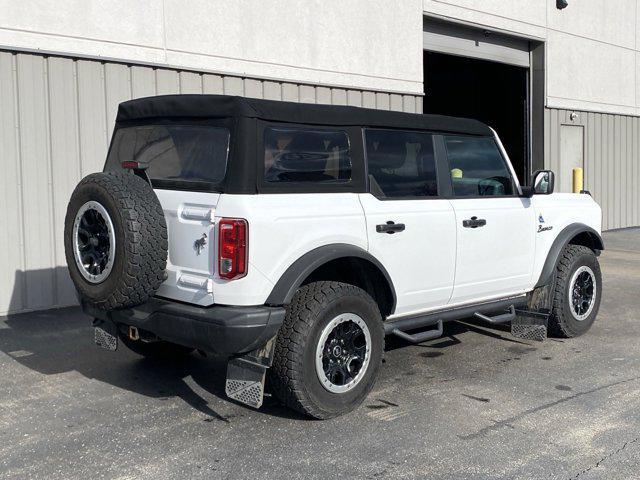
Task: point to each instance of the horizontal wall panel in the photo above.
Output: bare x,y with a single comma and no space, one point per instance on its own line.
65,162
167,82
190,82
12,291
56,119
272,91
212,84
92,115
143,82
33,117
290,92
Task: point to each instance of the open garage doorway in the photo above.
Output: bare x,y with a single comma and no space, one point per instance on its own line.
494,77
494,93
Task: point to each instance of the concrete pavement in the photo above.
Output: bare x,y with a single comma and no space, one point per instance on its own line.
476,403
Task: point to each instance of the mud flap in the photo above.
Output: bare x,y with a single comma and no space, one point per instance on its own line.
532,323
105,334
529,325
246,375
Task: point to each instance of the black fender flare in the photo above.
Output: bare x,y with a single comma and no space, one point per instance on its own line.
561,241
289,282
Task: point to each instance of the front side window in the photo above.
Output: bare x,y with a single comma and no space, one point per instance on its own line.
173,152
401,164
293,154
477,167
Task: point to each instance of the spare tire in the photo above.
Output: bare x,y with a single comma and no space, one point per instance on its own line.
115,240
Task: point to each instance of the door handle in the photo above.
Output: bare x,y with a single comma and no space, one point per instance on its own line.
474,222
390,227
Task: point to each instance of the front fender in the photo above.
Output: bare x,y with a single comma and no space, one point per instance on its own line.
562,240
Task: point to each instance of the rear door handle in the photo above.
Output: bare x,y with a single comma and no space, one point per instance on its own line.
390,227
474,222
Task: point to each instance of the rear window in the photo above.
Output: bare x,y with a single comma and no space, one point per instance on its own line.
401,164
306,155
174,152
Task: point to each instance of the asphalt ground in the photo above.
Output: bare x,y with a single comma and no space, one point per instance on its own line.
476,403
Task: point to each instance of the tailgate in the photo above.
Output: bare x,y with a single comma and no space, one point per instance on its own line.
191,259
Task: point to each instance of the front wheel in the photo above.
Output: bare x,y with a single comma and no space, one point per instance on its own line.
328,351
577,292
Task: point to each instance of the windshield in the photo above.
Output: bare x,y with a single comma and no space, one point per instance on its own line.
191,153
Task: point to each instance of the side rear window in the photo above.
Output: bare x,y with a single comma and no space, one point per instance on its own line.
401,163
174,152
303,154
477,167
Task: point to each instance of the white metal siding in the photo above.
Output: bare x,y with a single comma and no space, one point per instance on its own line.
56,118
611,163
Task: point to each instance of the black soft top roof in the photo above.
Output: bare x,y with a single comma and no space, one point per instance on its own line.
225,106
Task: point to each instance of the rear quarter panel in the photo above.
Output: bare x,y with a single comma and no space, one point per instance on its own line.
553,213
282,228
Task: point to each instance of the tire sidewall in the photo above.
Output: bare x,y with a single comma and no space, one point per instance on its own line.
574,326
139,224
84,194
337,403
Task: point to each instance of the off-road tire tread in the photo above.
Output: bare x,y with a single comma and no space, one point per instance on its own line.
286,373
558,326
146,240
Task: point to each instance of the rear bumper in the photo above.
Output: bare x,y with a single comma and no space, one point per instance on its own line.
218,329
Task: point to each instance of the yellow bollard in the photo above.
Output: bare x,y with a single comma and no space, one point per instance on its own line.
577,180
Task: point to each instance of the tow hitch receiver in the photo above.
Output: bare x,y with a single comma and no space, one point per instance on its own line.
133,333
246,375
530,325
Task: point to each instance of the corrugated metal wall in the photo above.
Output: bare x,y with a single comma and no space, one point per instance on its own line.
56,117
611,163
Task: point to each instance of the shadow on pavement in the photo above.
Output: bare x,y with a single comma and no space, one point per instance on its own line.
59,341
455,328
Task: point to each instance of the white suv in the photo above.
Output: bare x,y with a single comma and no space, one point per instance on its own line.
292,238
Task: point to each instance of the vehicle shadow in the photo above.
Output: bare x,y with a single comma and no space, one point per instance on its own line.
59,341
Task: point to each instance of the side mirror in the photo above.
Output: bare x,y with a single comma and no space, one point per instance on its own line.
543,182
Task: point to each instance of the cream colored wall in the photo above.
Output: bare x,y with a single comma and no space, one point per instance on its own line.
365,44
592,50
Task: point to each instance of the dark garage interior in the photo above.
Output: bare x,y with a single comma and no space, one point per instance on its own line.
494,93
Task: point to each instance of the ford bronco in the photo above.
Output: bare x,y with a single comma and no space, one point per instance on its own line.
292,238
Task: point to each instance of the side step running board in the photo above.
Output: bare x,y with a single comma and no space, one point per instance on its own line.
420,337
400,326
498,319
542,314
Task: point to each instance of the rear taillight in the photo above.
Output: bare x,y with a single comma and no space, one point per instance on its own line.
232,248
134,165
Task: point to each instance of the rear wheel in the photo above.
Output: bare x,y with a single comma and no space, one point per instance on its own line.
329,350
577,292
